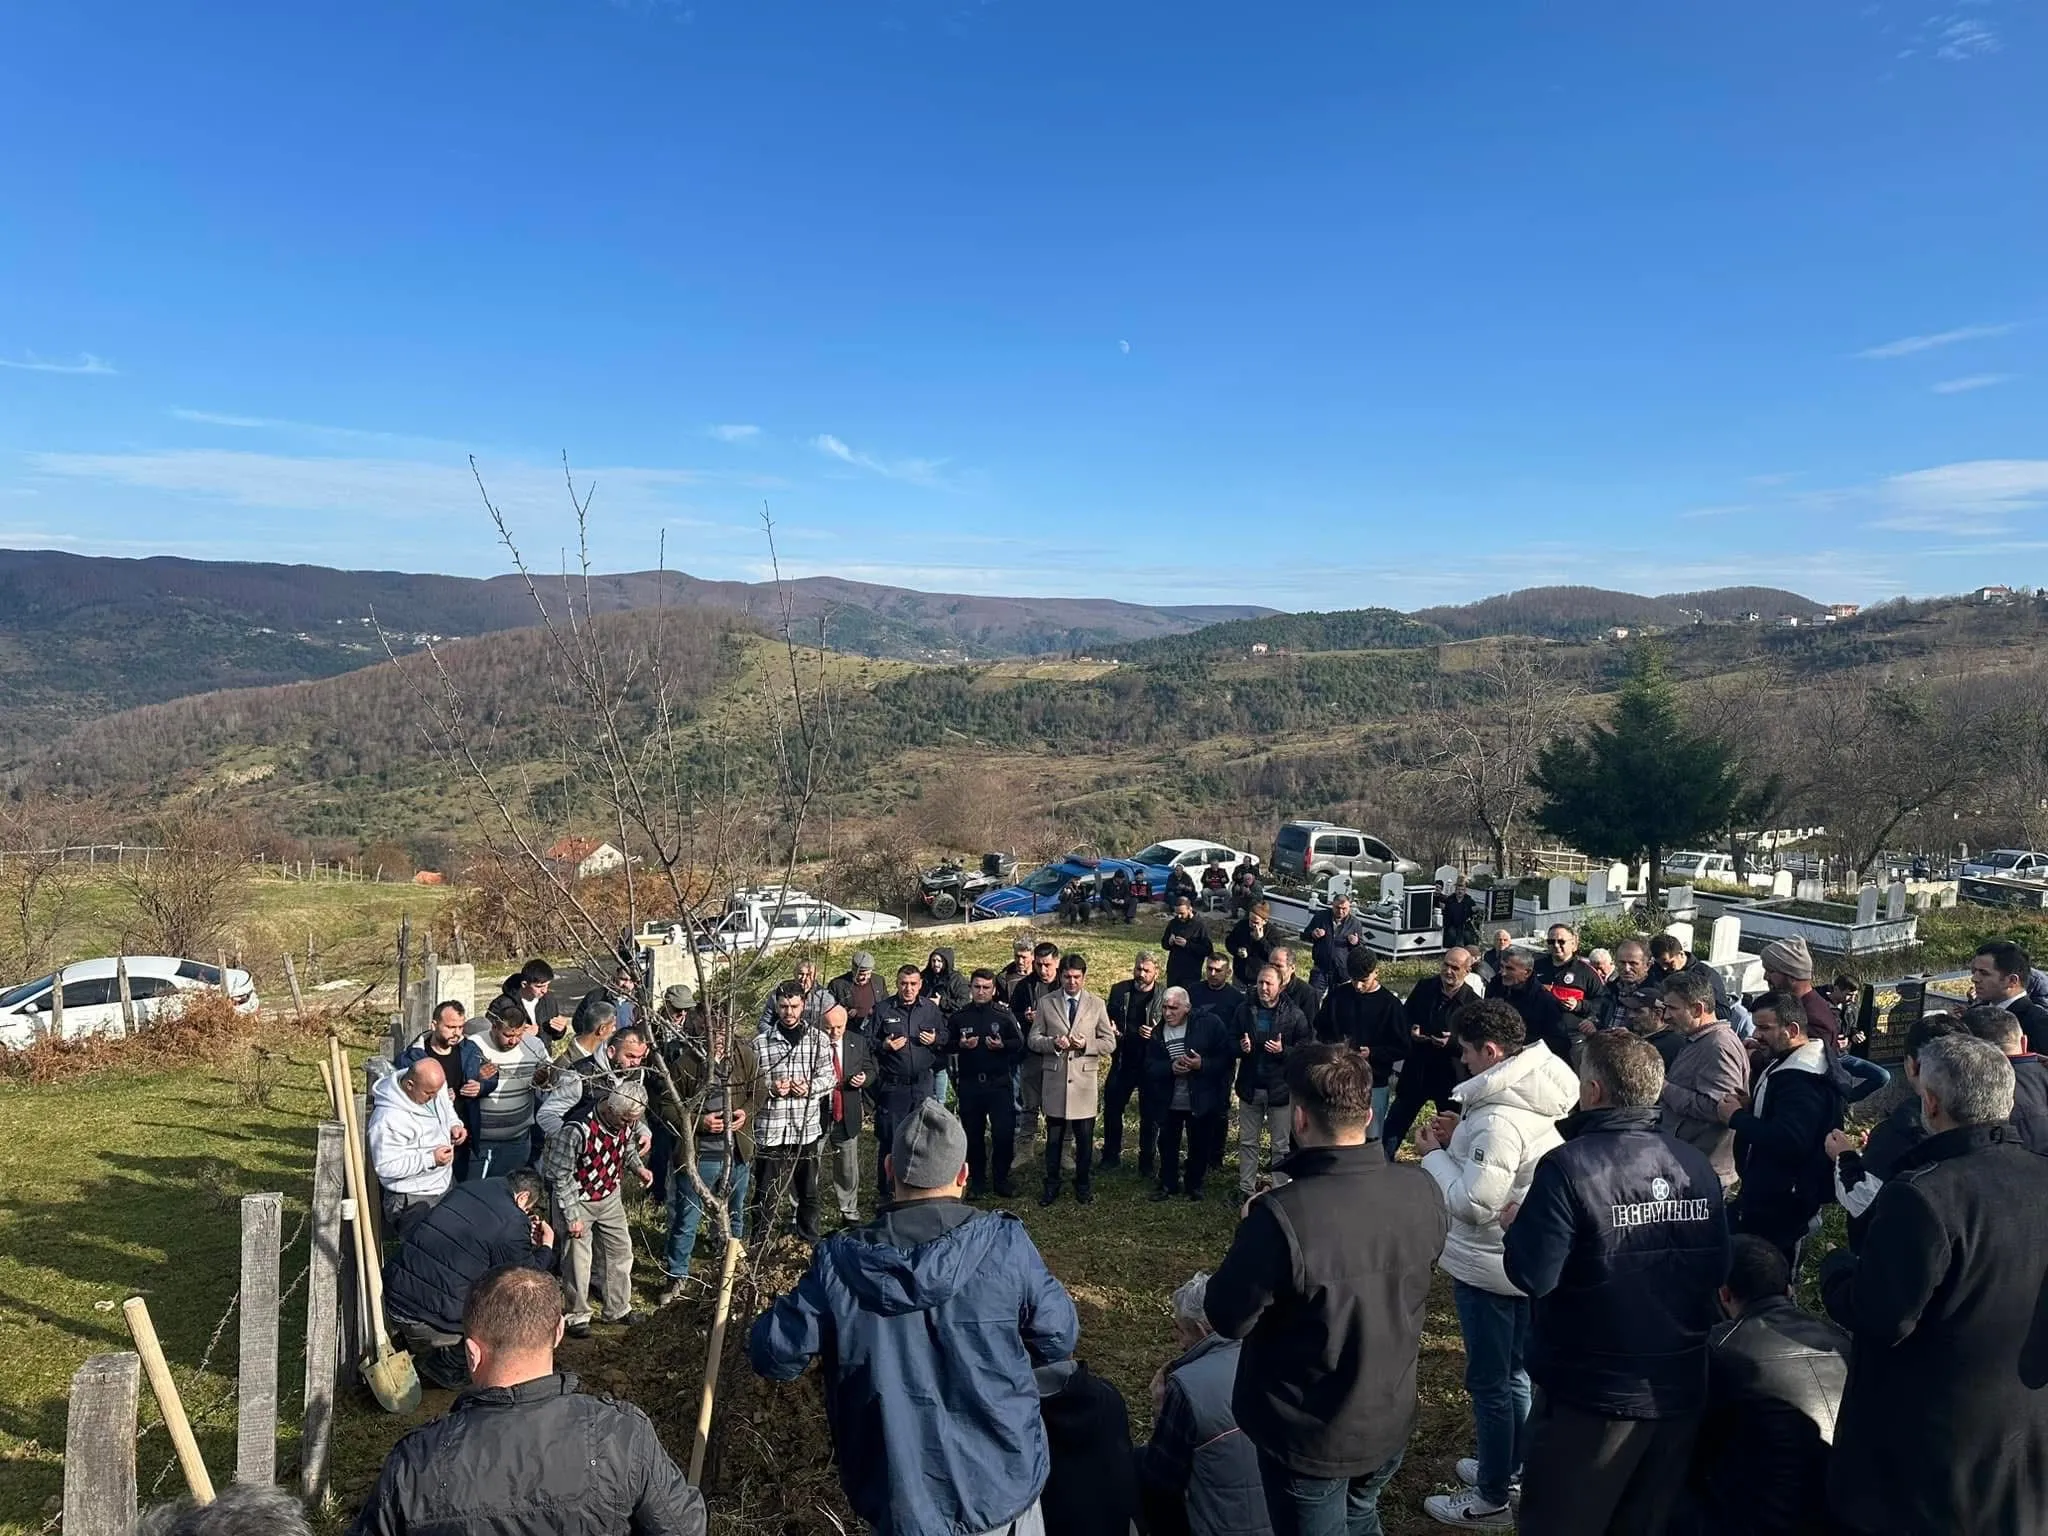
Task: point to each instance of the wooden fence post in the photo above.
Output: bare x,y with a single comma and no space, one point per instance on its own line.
256,1370
57,1006
127,994
324,1328
99,1447
398,1019
291,976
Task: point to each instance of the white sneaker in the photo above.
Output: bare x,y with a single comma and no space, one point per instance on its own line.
1466,1507
1468,1474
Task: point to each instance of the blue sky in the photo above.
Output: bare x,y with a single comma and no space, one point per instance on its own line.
1311,305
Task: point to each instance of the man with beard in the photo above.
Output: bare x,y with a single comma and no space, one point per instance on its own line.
1292,986
1369,1018
793,1061
857,991
1542,1014
1332,935
1430,1070
988,1044
1250,944
1569,976
1268,1027
1186,942
1044,978
1134,1010
910,1040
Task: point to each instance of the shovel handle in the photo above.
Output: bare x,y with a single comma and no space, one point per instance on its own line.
143,1331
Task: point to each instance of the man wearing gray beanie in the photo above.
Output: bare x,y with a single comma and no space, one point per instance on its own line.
1788,968
933,1406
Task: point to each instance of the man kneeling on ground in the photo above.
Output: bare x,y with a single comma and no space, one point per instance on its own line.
931,1319
524,1450
475,1229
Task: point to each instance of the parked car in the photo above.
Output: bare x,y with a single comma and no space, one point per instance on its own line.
1308,850
945,889
2012,863
92,995
1691,867
770,916
1038,893
1189,853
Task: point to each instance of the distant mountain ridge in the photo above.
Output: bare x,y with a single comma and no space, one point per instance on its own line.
82,636
1574,613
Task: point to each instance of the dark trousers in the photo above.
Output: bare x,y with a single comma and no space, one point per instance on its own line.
438,1357
1584,1475
1204,1136
1122,1086
779,1172
891,1110
1425,1079
1083,1133
1300,1505
987,1112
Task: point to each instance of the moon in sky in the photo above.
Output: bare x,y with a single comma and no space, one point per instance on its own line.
1125,346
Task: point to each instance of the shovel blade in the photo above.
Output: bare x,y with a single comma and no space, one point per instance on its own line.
392,1381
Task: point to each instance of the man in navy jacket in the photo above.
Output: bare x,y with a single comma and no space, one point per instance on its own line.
1622,1245
472,1230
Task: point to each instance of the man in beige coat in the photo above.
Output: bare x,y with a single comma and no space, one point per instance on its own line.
1071,1033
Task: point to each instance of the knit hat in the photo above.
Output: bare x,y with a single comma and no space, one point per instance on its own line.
930,1148
1788,957
680,997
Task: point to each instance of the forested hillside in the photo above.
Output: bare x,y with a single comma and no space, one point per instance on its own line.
1355,629
1579,613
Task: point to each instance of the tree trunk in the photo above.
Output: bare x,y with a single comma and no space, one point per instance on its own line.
1500,855
1653,887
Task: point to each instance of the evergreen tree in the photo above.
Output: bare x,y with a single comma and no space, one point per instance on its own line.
1642,785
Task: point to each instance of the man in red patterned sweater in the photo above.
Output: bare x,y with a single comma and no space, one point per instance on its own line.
586,1161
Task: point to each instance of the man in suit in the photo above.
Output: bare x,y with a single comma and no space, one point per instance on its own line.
853,1067
1071,1032
1998,976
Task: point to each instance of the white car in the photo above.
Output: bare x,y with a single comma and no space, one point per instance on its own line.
1192,854
92,996
2012,863
768,917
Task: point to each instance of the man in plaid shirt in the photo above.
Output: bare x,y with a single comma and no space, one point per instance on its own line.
794,1062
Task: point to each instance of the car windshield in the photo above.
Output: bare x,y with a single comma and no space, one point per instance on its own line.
1046,881
1158,853
1292,838
13,997
2005,858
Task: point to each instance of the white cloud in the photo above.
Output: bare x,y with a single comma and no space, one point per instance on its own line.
1906,346
1973,499
1960,38
734,432
925,472
1963,386
28,362
407,489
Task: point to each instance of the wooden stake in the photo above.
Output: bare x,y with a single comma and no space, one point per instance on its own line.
327,1358
99,1446
702,1442
143,1331
291,976
57,1007
127,994
256,1363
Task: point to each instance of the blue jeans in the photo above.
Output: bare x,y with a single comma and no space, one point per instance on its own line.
1869,1076
1380,1096
1324,1506
686,1209
1496,1330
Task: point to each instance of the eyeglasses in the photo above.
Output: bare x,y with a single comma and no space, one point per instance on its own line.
1559,943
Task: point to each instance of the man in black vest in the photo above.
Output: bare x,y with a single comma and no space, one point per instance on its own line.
1334,1265
1134,1010
1620,1245
990,1045
1430,1069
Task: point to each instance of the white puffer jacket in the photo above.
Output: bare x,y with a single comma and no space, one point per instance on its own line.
1509,1116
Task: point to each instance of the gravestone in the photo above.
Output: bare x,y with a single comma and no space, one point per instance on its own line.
1392,888
1782,885
1895,900
1866,905
1724,941
1682,932
1923,901
1500,903
1642,878
1948,897
1680,898
1596,888
1340,885
1810,890
1446,878
1617,879
1558,896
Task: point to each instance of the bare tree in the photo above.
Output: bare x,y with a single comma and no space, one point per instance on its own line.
1484,747
38,893
192,886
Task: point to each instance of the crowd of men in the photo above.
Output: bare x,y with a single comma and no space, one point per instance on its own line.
1618,1165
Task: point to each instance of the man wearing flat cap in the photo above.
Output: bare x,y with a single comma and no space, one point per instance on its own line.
933,1406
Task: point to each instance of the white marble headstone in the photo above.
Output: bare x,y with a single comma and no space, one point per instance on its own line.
1683,933
1724,942
1866,905
1617,878
1810,890
1558,896
1680,898
1392,886
1782,884
1446,878
1596,888
1895,900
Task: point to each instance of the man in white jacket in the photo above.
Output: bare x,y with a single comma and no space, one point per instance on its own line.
413,1135
1483,1158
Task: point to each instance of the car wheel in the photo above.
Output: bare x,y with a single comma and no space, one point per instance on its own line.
945,907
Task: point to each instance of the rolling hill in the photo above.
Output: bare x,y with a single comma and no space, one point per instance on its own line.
1578,613
84,636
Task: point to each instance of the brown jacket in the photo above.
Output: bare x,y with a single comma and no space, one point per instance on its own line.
1072,1078
1708,1067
